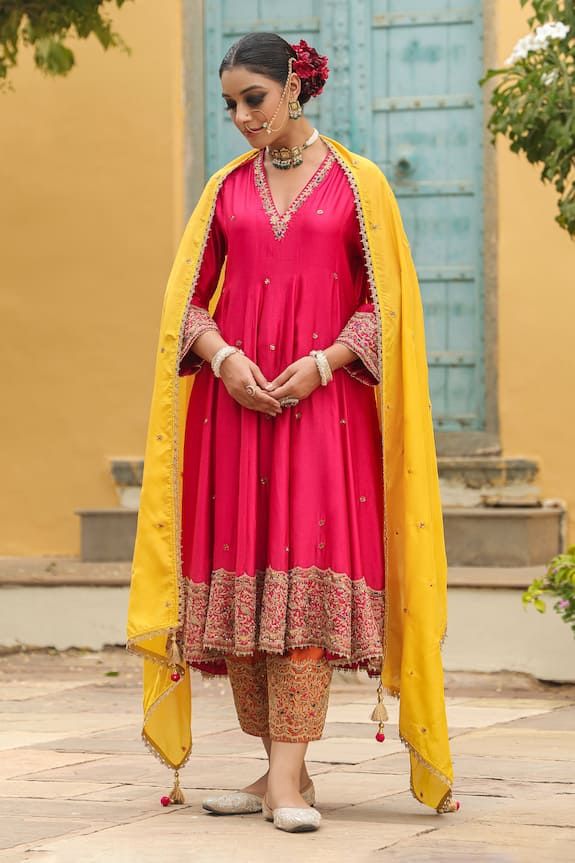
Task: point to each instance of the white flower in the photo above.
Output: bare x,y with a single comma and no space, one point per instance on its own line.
549,77
522,49
537,41
552,30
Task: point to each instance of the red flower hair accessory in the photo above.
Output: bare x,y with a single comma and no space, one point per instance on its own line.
311,68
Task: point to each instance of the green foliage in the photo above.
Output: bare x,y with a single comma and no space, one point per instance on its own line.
534,102
47,25
558,582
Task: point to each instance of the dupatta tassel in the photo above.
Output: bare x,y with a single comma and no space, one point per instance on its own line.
379,714
174,658
173,654
176,794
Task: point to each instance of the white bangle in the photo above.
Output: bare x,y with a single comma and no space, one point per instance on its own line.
323,367
220,355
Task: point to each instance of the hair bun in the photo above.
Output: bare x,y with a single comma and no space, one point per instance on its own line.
311,68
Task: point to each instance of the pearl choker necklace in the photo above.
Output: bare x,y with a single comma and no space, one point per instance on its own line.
291,157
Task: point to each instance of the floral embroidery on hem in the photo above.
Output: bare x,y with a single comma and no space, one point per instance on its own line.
276,610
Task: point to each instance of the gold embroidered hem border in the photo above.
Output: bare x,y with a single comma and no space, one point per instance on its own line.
275,610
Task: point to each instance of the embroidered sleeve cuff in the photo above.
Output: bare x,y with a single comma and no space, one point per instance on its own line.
360,336
198,321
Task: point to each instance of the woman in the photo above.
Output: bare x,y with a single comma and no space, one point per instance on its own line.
303,531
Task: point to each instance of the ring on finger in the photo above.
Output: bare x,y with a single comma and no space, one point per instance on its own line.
251,389
289,401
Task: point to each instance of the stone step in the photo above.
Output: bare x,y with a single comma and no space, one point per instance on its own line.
503,536
472,471
478,536
107,534
482,471
488,481
464,481
127,475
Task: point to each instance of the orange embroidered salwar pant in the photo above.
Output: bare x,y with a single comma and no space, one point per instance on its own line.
281,696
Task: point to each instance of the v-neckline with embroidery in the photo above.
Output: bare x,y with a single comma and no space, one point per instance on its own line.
279,221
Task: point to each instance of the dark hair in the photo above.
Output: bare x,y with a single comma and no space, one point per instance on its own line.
265,54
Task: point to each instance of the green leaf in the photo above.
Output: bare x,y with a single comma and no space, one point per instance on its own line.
540,605
47,27
53,57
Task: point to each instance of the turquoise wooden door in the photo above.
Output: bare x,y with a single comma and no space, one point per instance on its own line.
403,91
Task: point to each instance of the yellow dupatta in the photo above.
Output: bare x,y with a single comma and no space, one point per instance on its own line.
416,569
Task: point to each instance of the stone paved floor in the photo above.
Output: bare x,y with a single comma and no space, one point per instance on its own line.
76,783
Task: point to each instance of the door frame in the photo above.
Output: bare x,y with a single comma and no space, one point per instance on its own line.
449,443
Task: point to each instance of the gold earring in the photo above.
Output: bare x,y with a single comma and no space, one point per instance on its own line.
294,110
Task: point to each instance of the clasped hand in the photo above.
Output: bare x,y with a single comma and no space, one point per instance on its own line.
298,380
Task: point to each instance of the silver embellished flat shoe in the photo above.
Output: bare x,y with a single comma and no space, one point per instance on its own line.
234,803
292,819
243,803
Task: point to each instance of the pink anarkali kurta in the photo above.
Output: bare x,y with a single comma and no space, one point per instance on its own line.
282,518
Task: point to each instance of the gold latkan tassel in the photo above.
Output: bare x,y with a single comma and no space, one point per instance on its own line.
173,654
379,714
174,658
176,794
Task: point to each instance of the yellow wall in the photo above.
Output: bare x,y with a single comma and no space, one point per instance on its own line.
91,180
536,310
90,203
